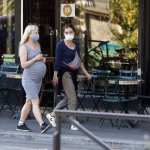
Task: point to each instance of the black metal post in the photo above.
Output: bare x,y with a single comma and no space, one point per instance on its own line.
63,113
144,45
90,134
104,115
51,43
86,49
17,27
57,133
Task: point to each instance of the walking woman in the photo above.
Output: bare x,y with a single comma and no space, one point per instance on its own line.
67,65
33,63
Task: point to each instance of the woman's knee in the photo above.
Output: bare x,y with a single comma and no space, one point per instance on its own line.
28,103
36,102
72,103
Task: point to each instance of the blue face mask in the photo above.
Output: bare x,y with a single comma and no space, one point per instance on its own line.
35,37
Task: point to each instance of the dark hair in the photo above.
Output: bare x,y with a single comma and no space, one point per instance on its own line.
69,26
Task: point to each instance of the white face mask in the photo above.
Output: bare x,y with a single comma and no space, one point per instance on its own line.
69,37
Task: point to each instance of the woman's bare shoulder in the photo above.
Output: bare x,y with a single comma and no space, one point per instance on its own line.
22,49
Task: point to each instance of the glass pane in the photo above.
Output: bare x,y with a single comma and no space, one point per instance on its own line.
42,13
112,27
7,27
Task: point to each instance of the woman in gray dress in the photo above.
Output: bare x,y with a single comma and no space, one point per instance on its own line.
33,63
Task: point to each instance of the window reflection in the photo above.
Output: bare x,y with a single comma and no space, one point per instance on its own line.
7,27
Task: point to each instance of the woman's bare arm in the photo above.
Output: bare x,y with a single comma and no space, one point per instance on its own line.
23,58
88,76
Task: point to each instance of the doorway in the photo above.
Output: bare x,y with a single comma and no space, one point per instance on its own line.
43,14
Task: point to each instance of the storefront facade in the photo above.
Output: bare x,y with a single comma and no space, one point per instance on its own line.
46,14
16,14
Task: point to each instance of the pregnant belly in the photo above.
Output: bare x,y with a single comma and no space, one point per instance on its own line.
35,72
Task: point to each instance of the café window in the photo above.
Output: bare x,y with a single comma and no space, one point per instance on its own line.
112,31
7,27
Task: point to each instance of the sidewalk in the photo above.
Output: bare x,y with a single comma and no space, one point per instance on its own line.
120,139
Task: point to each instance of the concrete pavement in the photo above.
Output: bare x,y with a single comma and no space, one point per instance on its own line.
120,139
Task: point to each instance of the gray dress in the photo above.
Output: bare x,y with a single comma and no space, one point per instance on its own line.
33,75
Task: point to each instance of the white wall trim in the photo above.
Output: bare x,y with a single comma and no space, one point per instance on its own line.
21,18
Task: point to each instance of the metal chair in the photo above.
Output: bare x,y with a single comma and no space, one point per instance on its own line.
12,95
89,95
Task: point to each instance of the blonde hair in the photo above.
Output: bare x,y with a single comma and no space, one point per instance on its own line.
28,30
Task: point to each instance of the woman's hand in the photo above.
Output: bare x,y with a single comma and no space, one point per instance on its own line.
72,67
55,79
44,60
39,57
88,76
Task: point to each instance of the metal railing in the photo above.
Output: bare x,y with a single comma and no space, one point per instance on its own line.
60,114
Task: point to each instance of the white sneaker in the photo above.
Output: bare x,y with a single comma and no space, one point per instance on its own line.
73,128
51,119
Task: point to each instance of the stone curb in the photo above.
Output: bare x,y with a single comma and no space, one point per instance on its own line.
31,137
